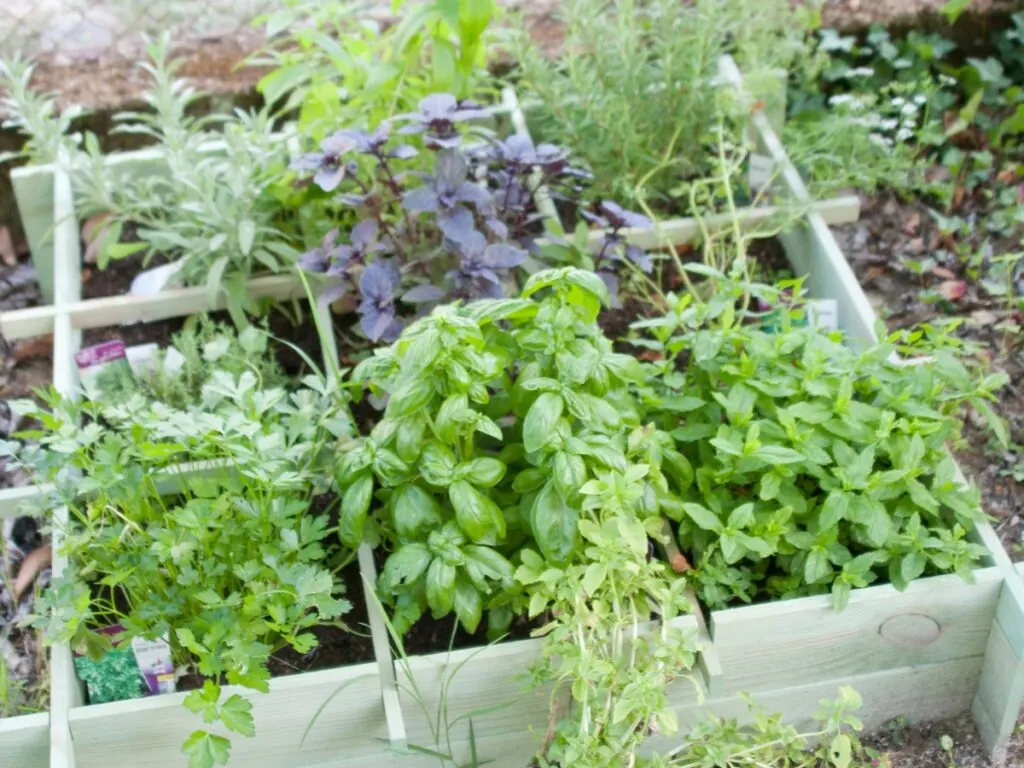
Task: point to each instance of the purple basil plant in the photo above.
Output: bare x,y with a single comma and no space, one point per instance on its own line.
455,233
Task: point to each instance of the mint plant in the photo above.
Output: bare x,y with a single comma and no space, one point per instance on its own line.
225,560
815,467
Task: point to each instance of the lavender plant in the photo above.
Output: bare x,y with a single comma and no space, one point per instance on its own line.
456,233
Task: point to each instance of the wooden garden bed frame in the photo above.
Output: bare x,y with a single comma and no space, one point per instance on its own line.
935,650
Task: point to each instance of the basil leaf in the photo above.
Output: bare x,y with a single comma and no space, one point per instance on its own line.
355,505
540,421
478,517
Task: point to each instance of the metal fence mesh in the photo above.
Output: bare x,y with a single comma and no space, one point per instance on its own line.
70,31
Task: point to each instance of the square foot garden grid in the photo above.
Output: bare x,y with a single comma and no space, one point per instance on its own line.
936,649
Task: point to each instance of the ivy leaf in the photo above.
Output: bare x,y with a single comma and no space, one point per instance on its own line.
479,517
703,517
236,714
205,750
541,420
355,505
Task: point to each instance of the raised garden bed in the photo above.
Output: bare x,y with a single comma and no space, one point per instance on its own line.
932,651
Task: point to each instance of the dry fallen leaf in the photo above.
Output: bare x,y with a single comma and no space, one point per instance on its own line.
915,246
39,346
911,224
31,566
983,317
7,253
944,273
93,232
953,290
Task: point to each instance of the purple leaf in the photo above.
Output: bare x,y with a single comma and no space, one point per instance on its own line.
411,128
611,282
379,281
434,141
364,233
338,144
379,325
503,256
468,192
332,293
313,261
423,293
451,168
350,198
593,218
639,257
310,162
620,217
421,200
497,227
342,257
472,247
328,178
457,224
438,105
404,152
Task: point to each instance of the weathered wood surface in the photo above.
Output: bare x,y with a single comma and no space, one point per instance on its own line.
25,741
342,709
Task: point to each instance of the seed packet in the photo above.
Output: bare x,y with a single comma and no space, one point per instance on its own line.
128,670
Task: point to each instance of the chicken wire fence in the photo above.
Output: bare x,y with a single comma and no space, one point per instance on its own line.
89,30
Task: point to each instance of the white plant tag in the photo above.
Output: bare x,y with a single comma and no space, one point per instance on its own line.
760,172
824,314
142,357
155,280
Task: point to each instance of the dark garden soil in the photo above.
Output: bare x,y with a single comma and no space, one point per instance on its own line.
116,278
920,746
430,635
886,250
25,364
338,647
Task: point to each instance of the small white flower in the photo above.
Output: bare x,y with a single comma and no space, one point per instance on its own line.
898,101
880,141
841,98
889,125
947,80
903,134
860,72
920,99
908,109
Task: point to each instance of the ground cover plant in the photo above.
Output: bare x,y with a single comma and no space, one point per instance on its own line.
943,245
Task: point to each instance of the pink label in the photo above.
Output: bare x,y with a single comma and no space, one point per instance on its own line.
99,354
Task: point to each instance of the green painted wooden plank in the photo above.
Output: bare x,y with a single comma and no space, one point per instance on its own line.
795,642
341,708
25,741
